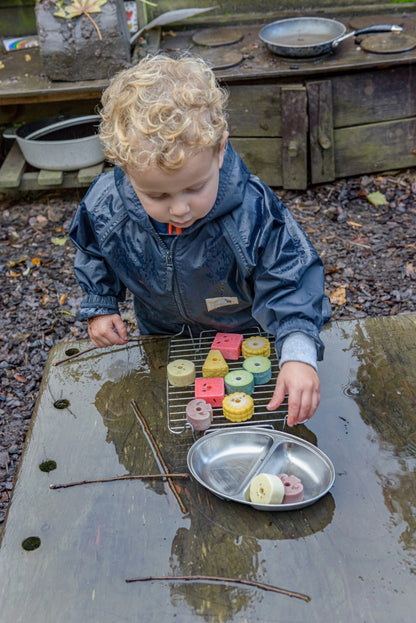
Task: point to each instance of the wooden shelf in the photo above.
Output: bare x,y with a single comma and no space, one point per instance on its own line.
17,174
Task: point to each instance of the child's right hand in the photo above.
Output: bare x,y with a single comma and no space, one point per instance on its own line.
107,330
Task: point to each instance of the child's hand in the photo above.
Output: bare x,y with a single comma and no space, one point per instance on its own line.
301,382
107,330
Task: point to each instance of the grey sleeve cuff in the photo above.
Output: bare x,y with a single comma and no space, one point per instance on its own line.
298,346
96,305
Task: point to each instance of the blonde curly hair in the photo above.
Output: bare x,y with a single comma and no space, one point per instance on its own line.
160,111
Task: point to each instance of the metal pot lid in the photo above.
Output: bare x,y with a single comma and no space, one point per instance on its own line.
221,59
388,43
213,37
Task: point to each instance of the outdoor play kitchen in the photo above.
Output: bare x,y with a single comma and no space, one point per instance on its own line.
155,485
328,88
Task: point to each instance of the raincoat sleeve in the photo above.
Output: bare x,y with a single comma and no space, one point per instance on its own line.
103,289
289,279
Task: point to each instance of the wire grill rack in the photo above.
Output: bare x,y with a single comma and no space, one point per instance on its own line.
196,349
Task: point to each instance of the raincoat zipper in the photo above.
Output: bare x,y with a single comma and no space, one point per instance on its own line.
170,277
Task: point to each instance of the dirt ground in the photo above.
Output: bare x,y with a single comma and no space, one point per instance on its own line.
364,229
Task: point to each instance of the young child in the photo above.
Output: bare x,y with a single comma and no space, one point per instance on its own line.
182,224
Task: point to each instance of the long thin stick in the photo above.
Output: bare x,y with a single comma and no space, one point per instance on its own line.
113,479
139,338
162,463
214,578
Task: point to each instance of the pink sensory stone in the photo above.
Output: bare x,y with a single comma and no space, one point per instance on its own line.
210,390
293,489
229,345
199,414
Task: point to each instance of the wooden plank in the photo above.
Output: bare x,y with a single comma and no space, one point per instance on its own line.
372,96
263,156
321,135
294,137
375,147
50,178
12,168
88,174
254,110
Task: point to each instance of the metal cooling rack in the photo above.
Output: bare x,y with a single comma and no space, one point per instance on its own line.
196,349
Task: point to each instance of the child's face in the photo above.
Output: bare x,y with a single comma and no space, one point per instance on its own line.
183,196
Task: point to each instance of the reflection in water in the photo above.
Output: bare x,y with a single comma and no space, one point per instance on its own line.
140,378
226,539
214,553
385,391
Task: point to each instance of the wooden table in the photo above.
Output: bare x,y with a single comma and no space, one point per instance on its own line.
350,557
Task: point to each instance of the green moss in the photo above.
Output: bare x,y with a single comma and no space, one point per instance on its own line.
47,466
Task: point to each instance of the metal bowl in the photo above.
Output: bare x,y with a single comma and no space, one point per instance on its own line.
225,462
60,143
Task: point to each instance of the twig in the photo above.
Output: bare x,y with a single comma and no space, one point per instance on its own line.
127,477
162,463
81,352
214,578
139,338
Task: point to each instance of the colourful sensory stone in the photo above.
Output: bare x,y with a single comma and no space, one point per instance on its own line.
181,372
199,414
214,365
256,345
229,344
239,381
211,390
260,367
238,407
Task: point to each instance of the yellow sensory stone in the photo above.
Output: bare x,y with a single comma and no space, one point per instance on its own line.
256,345
214,365
238,407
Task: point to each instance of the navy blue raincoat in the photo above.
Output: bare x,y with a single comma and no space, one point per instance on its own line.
247,262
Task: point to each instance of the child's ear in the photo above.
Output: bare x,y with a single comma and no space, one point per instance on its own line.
222,148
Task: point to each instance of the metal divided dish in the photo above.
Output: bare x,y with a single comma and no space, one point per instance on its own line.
196,349
225,462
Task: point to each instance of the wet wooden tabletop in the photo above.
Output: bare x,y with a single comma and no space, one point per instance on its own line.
351,556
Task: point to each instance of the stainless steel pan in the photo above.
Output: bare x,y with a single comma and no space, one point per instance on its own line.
300,37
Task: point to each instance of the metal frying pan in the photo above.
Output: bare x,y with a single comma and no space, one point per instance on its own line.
300,37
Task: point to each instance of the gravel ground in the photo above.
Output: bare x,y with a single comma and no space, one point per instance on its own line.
368,251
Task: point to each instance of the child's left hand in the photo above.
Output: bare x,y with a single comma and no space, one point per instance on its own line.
301,382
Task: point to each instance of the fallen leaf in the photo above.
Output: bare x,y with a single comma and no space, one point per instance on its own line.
354,224
62,299
59,241
17,262
13,273
20,378
410,270
377,198
337,296
35,261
